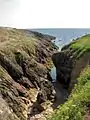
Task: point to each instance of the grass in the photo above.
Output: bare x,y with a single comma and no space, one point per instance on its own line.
78,102
16,39
82,45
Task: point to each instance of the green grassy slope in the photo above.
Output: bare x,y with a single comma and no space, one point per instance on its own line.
78,102
81,45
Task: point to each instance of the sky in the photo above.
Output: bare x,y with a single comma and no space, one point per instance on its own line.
7,9
45,13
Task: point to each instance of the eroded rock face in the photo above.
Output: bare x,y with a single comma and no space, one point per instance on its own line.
25,60
63,62
68,66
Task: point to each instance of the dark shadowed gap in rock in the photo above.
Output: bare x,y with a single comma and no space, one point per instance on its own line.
61,92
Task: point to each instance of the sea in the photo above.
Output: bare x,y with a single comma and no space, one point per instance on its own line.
64,35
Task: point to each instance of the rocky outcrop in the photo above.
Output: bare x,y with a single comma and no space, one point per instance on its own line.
72,59
25,60
63,62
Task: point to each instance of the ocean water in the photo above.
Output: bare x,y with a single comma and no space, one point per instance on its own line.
63,37
53,74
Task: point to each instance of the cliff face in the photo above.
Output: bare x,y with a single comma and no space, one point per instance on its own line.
73,71
72,59
63,62
25,59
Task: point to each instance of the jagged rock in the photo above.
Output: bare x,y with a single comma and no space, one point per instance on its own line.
25,60
64,65
70,62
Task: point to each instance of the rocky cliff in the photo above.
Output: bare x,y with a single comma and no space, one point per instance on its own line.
72,59
25,60
73,71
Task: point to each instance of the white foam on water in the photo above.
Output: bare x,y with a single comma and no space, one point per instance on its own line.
53,74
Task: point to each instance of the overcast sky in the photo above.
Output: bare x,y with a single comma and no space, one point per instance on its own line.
44,13
8,9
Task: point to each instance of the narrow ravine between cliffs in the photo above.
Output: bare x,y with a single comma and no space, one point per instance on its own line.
65,78
61,92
